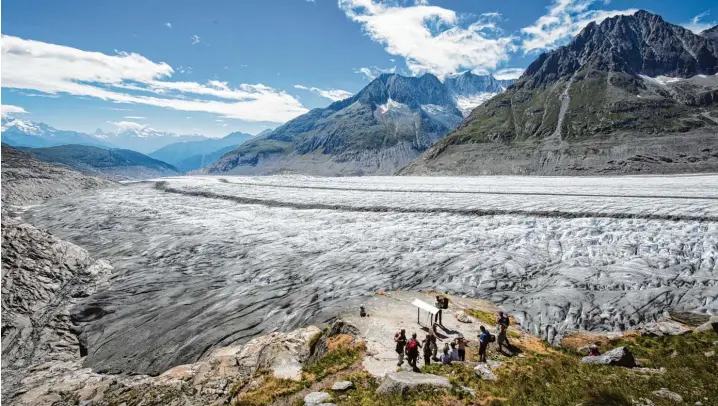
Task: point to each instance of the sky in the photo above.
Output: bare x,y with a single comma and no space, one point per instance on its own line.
215,67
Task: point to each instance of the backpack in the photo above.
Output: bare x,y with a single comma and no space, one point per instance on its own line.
492,338
412,347
504,320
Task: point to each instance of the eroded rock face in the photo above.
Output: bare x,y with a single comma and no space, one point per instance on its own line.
620,356
43,277
400,382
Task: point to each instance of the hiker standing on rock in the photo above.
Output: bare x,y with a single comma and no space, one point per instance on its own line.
400,339
454,352
441,303
502,320
484,340
428,348
412,352
434,347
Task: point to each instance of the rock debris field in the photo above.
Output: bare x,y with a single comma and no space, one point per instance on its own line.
205,262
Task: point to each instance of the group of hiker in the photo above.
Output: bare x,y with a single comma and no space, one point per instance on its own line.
452,351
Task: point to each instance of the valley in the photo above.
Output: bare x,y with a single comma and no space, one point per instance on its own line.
200,263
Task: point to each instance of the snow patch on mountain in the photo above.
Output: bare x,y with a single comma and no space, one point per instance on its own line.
468,103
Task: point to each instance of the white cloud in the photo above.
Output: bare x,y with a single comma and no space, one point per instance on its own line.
168,25
8,109
697,25
195,39
53,69
372,72
331,94
430,38
135,117
508,73
565,19
128,125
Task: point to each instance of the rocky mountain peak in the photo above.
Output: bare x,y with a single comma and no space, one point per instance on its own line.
642,43
711,33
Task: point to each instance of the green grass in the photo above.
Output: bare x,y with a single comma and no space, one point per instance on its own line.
558,378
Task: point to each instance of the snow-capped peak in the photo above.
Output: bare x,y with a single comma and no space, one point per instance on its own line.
25,127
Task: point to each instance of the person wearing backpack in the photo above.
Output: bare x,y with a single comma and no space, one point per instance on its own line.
400,340
484,340
412,352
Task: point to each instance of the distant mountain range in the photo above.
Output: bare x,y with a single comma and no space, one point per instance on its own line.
144,140
190,155
632,94
24,133
377,131
115,164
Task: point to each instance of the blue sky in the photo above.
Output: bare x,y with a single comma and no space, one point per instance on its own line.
221,66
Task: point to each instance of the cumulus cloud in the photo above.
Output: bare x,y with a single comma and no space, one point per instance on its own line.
565,19
168,25
331,94
508,73
697,23
430,38
8,109
133,79
372,72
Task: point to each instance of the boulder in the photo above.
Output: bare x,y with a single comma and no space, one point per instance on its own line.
342,386
401,382
620,356
463,317
666,394
338,327
711,324
664,328
316,398
485,370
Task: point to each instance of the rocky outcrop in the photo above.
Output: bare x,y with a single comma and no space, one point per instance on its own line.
485,370
620,356
664,328
26,180
401,382
666,394
631,94
320,346
43,277
711,324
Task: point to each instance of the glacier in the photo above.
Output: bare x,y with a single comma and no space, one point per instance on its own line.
204,262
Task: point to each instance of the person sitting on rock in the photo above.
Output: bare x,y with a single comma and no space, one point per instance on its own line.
593,350
445,357
428,348
454,352
412,352
362,311
400,339
484,340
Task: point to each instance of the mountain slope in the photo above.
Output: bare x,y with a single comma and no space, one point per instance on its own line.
114,164
377,131
26,180
191,155
633,94
469,90
22,133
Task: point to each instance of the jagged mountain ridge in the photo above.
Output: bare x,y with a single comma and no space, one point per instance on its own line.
632,94
145,139
377,131
23,133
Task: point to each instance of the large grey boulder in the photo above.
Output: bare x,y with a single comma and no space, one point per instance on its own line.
316,398
664,328
620,356
486,370
401,382
338,327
